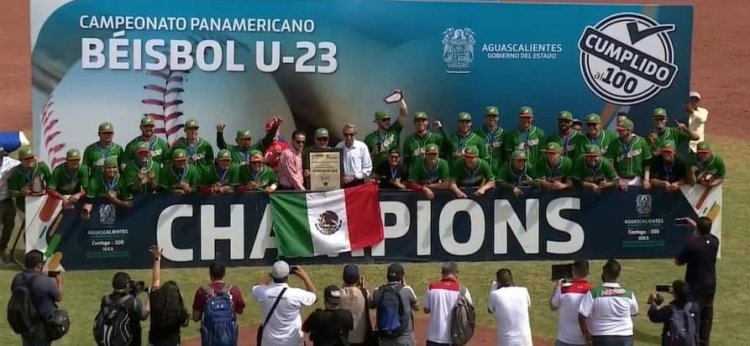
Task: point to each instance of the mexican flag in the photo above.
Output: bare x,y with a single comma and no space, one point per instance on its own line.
324,223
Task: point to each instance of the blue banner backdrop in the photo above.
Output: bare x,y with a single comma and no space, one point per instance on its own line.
235,229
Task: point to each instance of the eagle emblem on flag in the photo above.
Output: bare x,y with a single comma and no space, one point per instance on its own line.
328,223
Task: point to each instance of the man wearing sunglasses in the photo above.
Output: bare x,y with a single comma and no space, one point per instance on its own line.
290,164
662,133
391,174
595,135
356,157
565,135
387,136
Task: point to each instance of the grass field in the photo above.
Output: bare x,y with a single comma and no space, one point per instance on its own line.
84,289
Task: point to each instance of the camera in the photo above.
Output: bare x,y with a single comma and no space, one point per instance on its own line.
293,269
137,287
657,300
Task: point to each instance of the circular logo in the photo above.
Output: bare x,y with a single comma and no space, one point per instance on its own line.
627,58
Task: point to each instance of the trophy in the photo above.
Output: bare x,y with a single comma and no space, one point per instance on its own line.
394,97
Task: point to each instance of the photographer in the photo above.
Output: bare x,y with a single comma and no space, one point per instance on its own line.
121,312
510,305
566,298
168,312
681,317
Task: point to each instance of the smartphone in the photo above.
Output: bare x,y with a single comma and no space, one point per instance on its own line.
562,271
293,269
663,288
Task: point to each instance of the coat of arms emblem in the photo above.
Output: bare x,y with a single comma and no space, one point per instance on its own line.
458,49
643,204
107,214
328,223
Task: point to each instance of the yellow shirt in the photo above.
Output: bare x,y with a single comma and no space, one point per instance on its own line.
697,124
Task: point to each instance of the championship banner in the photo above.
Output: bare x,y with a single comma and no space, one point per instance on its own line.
329,62
236,229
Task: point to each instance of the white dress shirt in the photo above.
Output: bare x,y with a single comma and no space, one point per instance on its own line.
697,124
357,161
284,328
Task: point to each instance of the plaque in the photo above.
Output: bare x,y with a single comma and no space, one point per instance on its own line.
326,169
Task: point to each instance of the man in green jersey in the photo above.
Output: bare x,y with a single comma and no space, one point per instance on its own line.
241,151
69,180
595,134
456,143
222,177
96,153
109,186
471,172
553,169
661,132
430,173
517,174
565,135
199,152
631,157
257,176
158,147
493,136
30,178
141,174
706,167
180,177
526,137
386,136
414,145
592,171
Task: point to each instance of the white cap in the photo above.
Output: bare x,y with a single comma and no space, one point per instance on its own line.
695,94
280,270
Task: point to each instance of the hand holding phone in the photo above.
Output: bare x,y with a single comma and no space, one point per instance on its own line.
664,288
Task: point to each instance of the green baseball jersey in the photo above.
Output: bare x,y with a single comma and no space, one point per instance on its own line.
414,146
420,173
169,177
531,142
494,140
100,187
20,178
94,157
510,176
200,154
158,147
264,177
605,138
133,173
630,157
379,145
465,177
67,183
669,134
713,166
569,143
603,171
214,175
561,171
455,144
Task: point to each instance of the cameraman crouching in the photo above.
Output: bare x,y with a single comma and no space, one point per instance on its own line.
121,305
681,317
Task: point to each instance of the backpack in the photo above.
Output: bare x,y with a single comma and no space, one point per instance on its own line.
391,320
23,315
463,319
219,324
682,329
112,324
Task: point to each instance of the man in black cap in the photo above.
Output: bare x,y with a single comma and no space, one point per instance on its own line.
392,174
394,304
330,326
354,298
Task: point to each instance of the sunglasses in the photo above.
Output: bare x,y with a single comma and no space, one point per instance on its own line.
321,139
394,157
591,124
385,120
300,142
348,135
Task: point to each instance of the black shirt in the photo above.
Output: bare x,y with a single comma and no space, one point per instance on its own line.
699,254
664,315
137,313
389,174
160,335
329,327
670,172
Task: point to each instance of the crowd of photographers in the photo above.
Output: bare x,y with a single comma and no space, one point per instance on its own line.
590,313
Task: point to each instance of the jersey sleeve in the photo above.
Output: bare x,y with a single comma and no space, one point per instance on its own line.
487,171
455,171
94,188
721,170
482,146
55,179
46,174
414,172
633,305
443,171
234,174
84,177
608,170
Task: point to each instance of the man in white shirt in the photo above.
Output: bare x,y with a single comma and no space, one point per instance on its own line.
510,305
284,327
439,301
7,208
357,161
566,299
606,312
698,117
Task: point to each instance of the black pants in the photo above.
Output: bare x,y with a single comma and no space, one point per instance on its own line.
706,304
8,220
355,182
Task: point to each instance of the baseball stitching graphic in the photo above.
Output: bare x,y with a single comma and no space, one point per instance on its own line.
53,144
167,99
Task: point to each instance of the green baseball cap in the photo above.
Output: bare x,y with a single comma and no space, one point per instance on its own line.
668,146
526,111
432,148
565,115
491,111
703,147
179,155
111,162
553,147
471,151
106,128
464,116
256,156
321,133
379,115
244,133
660,113
593,118
223,154
147,121
25,153
191,124
420,115
518,155
626,124
592,150
142,147
73,155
